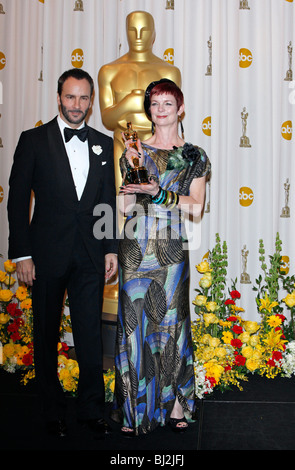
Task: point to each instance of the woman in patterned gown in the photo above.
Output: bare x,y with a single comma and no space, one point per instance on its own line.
154,355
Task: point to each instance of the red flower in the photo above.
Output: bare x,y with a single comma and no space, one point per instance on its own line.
237,329
27,359
271,363
229,302
236,343
14,326
11,308
235,294
232,318
240,360
277,356
211,380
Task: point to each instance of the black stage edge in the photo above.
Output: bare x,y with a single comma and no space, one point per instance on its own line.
261,417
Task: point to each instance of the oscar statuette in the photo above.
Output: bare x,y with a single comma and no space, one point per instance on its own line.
138,174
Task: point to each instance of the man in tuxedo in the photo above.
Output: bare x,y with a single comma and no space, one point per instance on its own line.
69,167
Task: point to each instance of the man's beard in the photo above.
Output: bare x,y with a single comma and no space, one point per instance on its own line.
68,116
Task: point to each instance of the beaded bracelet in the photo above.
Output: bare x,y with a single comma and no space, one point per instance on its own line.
166,198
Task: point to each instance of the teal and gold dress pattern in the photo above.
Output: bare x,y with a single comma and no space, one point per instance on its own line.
154,355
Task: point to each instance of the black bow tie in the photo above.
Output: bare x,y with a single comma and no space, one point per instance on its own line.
81,133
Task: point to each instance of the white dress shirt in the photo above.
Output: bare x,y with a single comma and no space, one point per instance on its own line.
78,155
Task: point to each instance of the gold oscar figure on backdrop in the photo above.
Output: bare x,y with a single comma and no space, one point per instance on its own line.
286,209
244,140
122,84
137,174
289,74
245,278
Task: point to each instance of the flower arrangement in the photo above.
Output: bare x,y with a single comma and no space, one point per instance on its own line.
219,334
15,324
228,348
16,336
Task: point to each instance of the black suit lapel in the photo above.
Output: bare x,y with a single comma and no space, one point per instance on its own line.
61,165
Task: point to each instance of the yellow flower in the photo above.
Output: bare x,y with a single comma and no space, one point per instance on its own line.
4,318
203,267
206,281
252,364
214,342
220,352
64,373
235,308
211,306
9,281
26,304
274,321
200,300
9,349
69,384
205,339
266,304
274,340
5,295
257,354
21,293
254,340
251,326
290,299
61,359
9,266
225,324
3,275
75,372
207,354
247,351
227,336
214,370
210,318
244,337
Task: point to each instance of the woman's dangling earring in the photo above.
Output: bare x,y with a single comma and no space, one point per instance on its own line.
153,128
181,128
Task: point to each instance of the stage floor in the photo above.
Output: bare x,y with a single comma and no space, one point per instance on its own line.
261,417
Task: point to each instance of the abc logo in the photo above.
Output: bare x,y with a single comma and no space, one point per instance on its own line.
1,194
285,264
246,196
169,55
2,60
39,123
206,125
245,58
286,130
77,58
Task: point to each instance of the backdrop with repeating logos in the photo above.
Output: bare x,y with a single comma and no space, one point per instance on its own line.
235,57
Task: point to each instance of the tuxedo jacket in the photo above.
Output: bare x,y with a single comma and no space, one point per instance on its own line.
41,166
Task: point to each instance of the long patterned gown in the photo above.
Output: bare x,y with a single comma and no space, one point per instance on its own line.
154,355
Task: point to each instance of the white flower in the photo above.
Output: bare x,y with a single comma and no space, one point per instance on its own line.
97,149
288,362
202,384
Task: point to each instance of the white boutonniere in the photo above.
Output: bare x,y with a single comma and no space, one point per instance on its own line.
97,149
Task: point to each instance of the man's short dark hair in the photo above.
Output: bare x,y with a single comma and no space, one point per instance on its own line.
79,74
